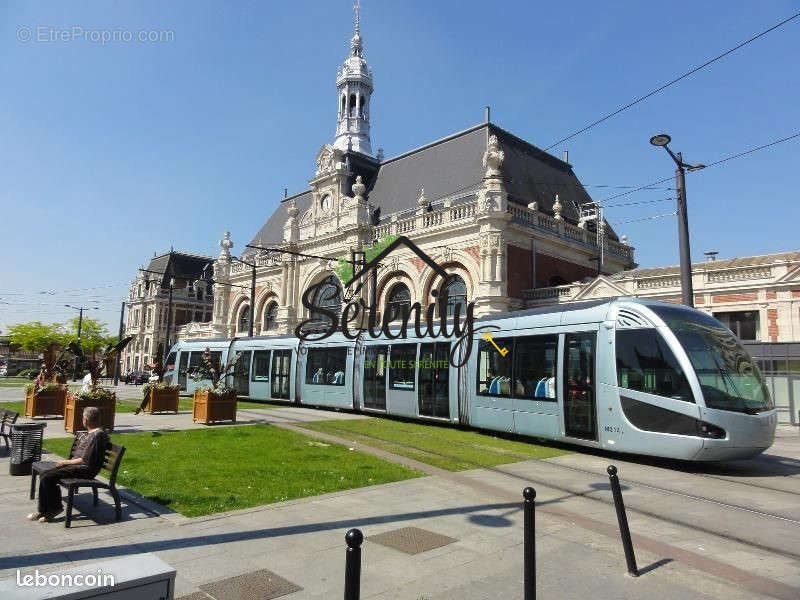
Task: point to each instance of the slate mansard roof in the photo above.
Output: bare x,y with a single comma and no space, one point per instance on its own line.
453,166
177,264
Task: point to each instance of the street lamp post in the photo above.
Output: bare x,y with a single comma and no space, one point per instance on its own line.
687,293
80,310
252,292
169,320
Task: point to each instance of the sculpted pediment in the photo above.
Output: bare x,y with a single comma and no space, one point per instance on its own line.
327,159
600,288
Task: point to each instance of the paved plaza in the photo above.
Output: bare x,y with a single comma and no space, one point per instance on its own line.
452,535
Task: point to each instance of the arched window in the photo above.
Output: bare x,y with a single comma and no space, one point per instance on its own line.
244,318
361,106
328,295
352,105
455,294
147,344
270,316
399,300
343,110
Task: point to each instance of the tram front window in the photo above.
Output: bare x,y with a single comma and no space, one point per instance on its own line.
728,376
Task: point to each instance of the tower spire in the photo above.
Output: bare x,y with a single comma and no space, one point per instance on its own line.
354,87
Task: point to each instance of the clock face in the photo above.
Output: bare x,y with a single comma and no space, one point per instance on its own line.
325,203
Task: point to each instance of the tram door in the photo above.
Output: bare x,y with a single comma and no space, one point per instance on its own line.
580,397
241,374
375,361
434,374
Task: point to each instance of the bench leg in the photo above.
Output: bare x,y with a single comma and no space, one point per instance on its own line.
33,485
70,498
117,507
94,493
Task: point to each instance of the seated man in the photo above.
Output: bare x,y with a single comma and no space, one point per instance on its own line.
85,463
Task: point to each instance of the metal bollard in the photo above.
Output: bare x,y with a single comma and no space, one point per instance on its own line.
624,531
529,536
352,569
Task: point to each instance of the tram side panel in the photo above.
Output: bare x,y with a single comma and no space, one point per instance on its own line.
327,372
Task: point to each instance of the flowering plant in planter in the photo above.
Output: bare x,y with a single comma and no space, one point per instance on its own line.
95,366
210,370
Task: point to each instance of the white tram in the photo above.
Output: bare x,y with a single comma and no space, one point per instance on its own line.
625,375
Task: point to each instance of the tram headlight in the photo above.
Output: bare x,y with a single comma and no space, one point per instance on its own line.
707,430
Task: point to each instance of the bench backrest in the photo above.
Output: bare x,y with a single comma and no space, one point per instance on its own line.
112,461
7,418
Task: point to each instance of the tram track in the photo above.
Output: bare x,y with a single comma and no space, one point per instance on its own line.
598,494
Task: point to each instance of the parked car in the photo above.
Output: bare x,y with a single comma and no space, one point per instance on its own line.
137,377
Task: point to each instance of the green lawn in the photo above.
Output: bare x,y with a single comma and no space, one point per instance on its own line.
444,447
14,381
198,472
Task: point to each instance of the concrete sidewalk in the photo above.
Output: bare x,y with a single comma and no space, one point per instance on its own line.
303,542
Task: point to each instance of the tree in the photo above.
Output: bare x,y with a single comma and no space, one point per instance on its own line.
94,335
36,336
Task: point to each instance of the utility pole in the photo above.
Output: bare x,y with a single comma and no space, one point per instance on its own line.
169,320
118,361
687,292
80,310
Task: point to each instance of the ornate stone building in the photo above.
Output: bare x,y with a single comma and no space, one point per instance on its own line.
486,205
148,304
757,297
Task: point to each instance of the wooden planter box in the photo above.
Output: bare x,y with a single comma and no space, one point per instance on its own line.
45,402
209,408
73,413
162,401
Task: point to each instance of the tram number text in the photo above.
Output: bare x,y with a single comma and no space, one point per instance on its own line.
610,429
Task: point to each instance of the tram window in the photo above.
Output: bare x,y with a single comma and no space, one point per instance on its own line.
535,360
401,366
326,366
494,370
261,365
646,364
195,361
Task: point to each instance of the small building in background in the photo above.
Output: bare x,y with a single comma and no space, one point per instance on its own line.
148,305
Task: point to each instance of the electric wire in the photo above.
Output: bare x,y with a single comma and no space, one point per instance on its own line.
672,82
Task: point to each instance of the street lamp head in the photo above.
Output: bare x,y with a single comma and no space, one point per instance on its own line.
696,167
662,139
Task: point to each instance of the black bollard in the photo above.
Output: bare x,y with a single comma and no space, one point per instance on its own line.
624,531
352,569
529,536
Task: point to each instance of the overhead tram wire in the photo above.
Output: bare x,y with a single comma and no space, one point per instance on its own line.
672,82
751,150
650,218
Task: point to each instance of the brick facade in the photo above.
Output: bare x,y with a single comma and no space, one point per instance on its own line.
742,297
554,271
520,276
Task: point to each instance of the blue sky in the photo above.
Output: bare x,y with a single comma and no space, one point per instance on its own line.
113,151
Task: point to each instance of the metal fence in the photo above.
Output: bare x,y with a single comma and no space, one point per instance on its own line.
779,362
